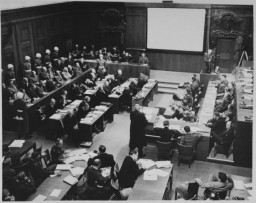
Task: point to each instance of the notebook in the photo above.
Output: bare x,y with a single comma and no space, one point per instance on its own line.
70,180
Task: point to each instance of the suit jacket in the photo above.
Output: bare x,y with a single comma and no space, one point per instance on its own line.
165,134
49,110
143,60
190,140
106,160
93,176
137,129
129,172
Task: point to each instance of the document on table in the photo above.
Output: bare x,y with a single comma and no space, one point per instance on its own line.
239,185
70,160
146,163
64,167
163,164
56,116
77,152
150,175
17,143
70,180
84,157
55,193
161,173
40,198
248,185
77,171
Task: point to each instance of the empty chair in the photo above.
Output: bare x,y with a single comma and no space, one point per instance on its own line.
164,149
47,157
187,190
186,153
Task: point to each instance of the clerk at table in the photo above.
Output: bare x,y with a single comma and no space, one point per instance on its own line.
165,133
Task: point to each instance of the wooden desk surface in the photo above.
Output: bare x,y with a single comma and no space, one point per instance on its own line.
56,182
28,145
150,190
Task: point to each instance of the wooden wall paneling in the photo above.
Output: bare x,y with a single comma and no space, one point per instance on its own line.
136,34
9,47
25,44
40,30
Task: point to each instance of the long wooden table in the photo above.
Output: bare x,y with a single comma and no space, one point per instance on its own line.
243,131
26,147
153,190
86,128
56,182
129,69
146,95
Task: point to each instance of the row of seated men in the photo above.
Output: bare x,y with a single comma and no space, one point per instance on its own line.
189,106
222,124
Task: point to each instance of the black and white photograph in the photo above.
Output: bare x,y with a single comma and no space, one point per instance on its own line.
129,100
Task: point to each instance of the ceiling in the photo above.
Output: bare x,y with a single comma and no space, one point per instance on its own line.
14,4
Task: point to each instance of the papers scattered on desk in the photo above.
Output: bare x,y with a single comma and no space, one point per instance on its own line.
84,157
77,152
87,120
77,171
163,164
248,186
69,160
55,193
70,180
17,143
101,108
105,172
239,185
150,175
40,198
146,163
98,112
92,154
56,116
161,173
64,167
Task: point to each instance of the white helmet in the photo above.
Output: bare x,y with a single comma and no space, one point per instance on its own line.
27,58
38,55
56,49
47,51
10,66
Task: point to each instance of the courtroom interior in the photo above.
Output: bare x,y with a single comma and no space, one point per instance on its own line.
127,100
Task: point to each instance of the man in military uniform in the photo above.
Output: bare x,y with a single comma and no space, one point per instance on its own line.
27,67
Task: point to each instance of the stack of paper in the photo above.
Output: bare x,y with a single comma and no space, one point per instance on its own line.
101,108
146,163
40,198
163,164
86,120
150,175
105,171
70,160
239,185
64,167
77,171
70,180
77,152
98,112
56,116
55,193
17,143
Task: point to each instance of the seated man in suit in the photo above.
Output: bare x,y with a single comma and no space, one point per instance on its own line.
107,160
94,175
130,170
134,89
39,173
50,108
57,153
22,187
165,133
190,139
226,137
222,183
217,123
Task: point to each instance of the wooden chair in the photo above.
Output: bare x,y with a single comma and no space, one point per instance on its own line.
164,149
220,149
186,153
47,157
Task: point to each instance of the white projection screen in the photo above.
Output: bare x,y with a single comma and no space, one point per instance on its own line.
176,29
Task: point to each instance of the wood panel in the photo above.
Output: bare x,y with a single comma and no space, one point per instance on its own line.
193,63
136,34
